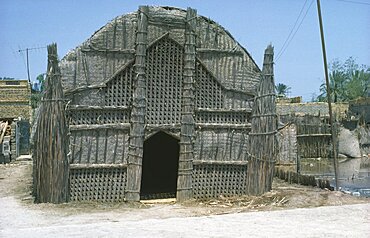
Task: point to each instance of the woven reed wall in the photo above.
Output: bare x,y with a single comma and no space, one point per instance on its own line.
99,184
221,145
106,146
314,140
308,135
210,180
313,136
99,78
287,139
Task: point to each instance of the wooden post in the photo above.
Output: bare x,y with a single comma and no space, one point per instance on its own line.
262,138
333,132
51,167
137,129
184,182
28,67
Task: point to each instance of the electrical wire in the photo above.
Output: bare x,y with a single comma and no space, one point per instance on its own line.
295,32
354,2
291,31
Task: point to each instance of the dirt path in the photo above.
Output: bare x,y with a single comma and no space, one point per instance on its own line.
223,217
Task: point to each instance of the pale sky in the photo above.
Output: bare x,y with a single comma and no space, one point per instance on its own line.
254,24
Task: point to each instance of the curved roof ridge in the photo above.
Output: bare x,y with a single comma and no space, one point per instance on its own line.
207,19
218,25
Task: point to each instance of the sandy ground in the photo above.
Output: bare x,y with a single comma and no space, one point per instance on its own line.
286,211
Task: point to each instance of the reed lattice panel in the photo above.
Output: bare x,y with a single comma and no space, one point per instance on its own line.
208,92
226,145
314,146
98,184
303,129
164,72
118,91
98,116
213,180
221,117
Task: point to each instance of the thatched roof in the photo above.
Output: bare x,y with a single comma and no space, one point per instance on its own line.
112,46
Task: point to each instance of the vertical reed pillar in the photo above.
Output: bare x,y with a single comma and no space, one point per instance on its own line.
136,140
184,182
50,163
262,138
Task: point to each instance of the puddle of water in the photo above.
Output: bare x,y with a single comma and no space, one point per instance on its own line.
353,173
356,187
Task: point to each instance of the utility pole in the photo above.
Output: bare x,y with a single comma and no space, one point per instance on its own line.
333,132
28,62
28,67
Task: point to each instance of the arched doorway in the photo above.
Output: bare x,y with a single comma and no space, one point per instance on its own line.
160,166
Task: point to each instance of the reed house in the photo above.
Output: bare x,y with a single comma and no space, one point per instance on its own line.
159,105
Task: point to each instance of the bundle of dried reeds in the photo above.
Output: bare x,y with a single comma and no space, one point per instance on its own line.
262,139
137,129
51,167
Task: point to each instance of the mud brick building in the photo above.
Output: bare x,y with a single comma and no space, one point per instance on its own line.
15,99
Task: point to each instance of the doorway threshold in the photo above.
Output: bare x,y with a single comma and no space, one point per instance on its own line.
159,201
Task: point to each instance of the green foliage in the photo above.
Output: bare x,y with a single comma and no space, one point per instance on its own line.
314,98
282,89
41,79
36,96
347,81
35,99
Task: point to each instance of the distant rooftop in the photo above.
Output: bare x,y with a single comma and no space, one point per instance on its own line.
311,108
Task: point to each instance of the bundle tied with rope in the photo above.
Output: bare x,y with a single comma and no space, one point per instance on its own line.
51,166
262,138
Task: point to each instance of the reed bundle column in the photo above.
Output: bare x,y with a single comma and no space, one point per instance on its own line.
184,182
51,166
262,138
137,129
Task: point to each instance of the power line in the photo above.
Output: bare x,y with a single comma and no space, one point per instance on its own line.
354,2
295,32
291,31
34,48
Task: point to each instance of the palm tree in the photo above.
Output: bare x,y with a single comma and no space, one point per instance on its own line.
347,82
338,81
357,79
337,84
282,89
359,83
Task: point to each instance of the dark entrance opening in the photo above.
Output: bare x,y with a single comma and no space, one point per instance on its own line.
160,166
